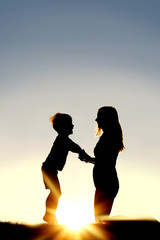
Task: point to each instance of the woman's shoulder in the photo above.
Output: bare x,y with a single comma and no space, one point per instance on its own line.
106,143
104,138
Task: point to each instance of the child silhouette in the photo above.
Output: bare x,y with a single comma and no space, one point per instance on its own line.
62,124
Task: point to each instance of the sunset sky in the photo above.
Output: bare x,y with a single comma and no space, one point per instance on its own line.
74,56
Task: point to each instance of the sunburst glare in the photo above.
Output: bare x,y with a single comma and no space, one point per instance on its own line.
74,215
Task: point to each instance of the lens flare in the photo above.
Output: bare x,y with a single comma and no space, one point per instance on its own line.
74,215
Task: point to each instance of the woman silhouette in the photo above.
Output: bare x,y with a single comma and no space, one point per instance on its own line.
106,153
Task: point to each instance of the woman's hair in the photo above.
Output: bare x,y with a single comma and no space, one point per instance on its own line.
60,121
109,116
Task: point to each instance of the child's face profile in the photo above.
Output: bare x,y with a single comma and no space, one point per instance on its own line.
67,128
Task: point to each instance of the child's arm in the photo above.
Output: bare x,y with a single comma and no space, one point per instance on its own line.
83,156
74,147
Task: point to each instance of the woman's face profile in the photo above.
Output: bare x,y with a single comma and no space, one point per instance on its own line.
99,121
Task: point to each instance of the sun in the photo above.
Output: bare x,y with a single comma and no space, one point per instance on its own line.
74,215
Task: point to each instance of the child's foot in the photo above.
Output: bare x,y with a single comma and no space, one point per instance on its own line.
50,219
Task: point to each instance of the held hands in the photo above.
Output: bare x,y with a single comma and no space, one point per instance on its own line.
83,156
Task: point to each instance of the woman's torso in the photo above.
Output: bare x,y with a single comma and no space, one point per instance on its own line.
104,173
106,153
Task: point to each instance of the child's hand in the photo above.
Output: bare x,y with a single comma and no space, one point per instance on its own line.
82,156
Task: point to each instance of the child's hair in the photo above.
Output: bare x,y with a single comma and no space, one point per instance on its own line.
60,121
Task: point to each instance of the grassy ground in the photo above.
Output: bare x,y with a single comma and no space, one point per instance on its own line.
111,230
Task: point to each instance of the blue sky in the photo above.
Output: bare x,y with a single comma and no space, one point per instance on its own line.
74,57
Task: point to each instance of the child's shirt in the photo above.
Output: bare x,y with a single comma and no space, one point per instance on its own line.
59,151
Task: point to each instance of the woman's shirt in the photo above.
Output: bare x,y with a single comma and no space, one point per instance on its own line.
104,173
105,152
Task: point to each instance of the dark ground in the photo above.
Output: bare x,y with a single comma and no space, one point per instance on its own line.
111,230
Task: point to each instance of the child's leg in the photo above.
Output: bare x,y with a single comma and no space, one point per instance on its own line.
51,207
52,183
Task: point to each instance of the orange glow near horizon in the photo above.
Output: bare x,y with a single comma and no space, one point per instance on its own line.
73,210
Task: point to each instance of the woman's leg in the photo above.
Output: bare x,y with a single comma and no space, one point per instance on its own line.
102,205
